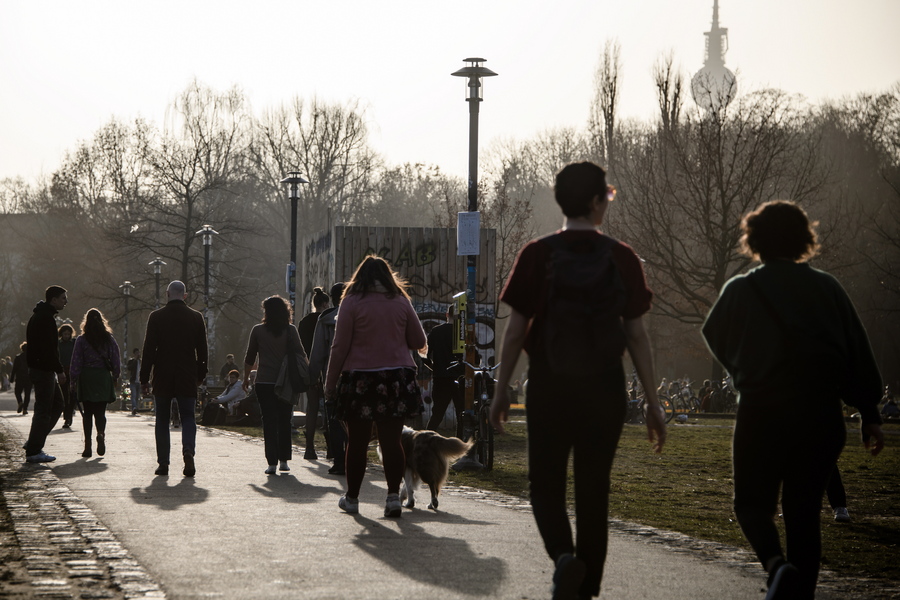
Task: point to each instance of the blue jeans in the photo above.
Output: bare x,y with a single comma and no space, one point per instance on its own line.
48,406
276,422
188,426
135,394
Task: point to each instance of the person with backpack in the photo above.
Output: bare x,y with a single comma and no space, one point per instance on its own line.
577,300
318,366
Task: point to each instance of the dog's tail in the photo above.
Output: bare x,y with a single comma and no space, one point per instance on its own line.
451,447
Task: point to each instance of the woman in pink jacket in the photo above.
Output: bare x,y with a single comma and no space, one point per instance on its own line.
372,371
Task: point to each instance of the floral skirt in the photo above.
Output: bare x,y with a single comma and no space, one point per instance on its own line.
377,395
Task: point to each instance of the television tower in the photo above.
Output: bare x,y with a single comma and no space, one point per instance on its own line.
714,86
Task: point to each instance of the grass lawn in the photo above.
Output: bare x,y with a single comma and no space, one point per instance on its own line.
688,488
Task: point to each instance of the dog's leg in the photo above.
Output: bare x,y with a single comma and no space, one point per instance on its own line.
408,490
434,496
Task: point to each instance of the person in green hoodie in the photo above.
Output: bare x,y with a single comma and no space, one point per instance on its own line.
792,341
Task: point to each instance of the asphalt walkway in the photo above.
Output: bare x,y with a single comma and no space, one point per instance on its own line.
233,532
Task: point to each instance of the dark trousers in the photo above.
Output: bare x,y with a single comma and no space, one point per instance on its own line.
48,406
359,434
837,495
276,423
795,446
94,412
68,403
313,398
583,416
337,437
188,426
443,391
23,394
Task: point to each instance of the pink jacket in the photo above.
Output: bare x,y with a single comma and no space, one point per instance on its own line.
373,332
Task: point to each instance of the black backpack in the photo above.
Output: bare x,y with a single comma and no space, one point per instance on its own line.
583,330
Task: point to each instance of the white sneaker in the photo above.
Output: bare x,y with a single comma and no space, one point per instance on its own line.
284,466
841,515
40,457
270,470
392,506
350,505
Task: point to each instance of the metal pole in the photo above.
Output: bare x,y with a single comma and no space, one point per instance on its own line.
293,282
157,288
206,283
471,259
125,339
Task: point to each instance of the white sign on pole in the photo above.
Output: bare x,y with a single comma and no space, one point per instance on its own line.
468,227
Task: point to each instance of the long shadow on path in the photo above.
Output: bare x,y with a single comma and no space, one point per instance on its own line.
413,552
170,497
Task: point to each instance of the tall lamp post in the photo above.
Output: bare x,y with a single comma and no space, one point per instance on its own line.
207,232
474,72
126,291
294,180
157,264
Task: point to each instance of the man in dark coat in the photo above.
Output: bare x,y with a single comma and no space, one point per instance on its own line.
45,371
175,350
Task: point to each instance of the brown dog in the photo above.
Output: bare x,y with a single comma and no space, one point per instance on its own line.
428,456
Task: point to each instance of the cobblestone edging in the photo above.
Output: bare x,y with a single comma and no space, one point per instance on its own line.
66,552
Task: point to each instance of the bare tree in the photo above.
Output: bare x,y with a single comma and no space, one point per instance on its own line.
602,123
416,195
328,144
683,192
669,81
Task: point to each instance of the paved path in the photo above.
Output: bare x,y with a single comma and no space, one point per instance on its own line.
234,532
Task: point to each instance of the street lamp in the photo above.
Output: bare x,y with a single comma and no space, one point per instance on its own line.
207,232
294,180
126,290
157,264
474,72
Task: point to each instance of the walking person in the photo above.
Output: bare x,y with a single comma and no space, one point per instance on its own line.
307,329
576,399
790,337
133,367
18,376
66,348
95,374
270,341
45,371
444,388
372,374
318,367
176,354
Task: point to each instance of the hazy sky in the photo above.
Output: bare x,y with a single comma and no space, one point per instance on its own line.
67,67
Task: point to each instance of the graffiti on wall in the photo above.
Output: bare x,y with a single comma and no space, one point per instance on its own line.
425,257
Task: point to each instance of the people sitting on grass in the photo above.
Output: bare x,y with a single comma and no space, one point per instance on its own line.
233,393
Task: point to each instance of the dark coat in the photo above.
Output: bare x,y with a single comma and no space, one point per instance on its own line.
43,339
175,351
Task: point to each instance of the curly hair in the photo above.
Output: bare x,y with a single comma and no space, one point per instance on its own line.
276,314
95,329
779,229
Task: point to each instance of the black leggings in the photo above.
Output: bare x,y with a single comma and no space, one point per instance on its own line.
796,450
582,416
359,434
94,412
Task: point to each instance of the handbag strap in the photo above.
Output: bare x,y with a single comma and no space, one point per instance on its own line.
106,360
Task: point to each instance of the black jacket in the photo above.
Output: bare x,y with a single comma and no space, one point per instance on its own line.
43,339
